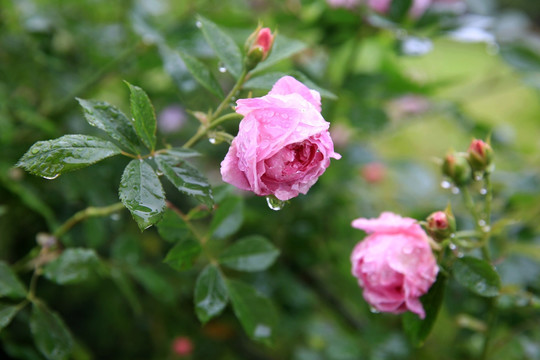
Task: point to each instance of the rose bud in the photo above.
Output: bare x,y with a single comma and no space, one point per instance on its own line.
283,144
480,155
441,224
258,46
182,346
457,168
394,264
373,172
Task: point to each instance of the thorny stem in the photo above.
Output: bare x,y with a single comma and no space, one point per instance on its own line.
214,120
86,213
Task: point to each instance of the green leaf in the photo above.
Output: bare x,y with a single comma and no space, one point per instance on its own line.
141,192
143,115
201,73
183,254
223,45
266,81
51,158
111,120
252,253
417,329
228,217
211,294
186,178
7,313
51,335
172,227
72,266
283,48
10,285
399,9
255,312
477,275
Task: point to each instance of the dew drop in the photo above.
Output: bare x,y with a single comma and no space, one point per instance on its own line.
274,204
408,250
198,24
455,190
222,68
481,223
486,228
159,173
52,177
446,184
212,140
115,217
460,254
483,191
373,310
452,246
478,176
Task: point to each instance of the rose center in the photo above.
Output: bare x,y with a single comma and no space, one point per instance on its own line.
291,162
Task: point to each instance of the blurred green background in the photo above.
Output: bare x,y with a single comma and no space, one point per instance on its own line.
397,111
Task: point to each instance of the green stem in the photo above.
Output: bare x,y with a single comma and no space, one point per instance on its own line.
490,328
469,203
229,96
86,213
214,119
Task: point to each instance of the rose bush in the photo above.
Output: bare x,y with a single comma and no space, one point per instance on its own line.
394,264
283,144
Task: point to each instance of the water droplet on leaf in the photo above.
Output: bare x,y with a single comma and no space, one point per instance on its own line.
274,204
446,184
483,191
455,190
212,140
481,223
373,310
222,68
115,217
52,177
198,24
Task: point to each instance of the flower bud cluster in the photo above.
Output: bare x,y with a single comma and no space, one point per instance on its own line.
460,167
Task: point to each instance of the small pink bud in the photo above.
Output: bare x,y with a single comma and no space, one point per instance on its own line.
457,168
441,224
258,46
480,155
182,346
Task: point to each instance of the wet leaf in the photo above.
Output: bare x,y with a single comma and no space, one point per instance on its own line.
202,74
51,158
143,115
10,285
183,254
477,275
141,192
72,266
51,335
211,294
252,253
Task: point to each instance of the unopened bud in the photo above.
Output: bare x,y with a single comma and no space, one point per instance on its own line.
457,168
480,155
441,224
182,346
258,46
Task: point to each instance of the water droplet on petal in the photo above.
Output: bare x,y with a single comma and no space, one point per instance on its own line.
274,204
446,184
408,250
52,177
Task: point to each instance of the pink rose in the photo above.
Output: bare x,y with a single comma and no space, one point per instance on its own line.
418,7
283,144
394,264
